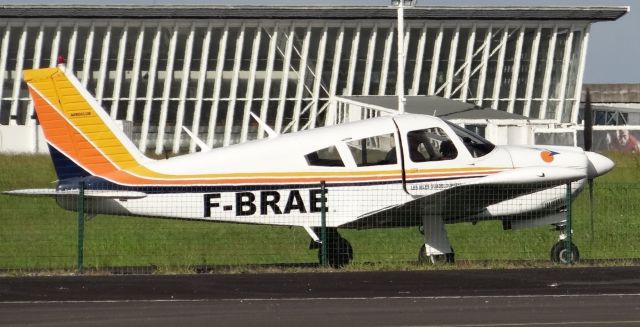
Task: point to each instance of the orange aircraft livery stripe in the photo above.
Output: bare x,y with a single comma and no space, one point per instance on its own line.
79,132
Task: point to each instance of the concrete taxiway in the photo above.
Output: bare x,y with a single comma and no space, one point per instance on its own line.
511,297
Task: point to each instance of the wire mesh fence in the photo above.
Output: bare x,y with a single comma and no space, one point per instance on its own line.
382,223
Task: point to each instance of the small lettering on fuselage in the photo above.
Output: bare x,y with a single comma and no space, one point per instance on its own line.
265,203
80,114
432,187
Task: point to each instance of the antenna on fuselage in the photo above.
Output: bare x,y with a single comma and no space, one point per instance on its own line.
270,132
203,146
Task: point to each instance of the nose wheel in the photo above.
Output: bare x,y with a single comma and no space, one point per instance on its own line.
559,251
561,254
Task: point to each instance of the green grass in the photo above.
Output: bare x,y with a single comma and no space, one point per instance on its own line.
35,234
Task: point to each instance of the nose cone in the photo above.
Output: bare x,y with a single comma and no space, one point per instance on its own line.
598,164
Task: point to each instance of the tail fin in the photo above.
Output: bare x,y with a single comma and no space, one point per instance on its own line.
83,139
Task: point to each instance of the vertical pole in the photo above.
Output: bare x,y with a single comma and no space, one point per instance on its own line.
323,223
567,241
81,228
400,75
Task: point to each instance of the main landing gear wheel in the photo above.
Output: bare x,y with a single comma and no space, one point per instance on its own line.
339,250
441,258
559,253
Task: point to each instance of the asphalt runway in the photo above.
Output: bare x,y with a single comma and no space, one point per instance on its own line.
513,297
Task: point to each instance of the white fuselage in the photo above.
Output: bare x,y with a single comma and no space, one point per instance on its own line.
272,181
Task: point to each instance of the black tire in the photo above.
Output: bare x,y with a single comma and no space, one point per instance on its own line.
442,258
339,252
558,253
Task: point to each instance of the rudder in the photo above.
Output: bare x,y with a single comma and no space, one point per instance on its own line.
82,137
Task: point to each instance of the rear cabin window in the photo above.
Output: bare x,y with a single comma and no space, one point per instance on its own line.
373,151
327,157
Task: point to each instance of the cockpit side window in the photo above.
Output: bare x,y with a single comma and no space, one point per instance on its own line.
476,144
373,151
327,157
430,144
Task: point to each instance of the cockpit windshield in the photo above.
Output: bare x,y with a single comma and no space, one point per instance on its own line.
476,144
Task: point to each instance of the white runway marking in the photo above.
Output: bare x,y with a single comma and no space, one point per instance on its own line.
462,297
558,323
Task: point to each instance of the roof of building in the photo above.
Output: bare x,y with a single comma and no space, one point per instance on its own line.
437,106
612,93
584,13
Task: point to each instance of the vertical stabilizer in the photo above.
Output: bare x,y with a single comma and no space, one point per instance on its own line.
83,139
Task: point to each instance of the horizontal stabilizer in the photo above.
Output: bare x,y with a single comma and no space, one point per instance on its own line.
102,194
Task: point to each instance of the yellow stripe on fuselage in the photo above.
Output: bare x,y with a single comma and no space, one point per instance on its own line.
95,145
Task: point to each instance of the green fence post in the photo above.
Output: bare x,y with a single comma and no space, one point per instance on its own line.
568,252
81,228
323,224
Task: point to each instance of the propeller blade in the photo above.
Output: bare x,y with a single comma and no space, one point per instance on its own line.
588,122
588,139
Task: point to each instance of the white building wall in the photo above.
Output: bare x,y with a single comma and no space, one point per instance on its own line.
207,75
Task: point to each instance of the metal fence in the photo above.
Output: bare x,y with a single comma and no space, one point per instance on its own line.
377,224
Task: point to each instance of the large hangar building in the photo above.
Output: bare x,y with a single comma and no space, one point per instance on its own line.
158,68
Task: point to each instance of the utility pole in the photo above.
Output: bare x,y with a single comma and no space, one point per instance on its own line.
400,76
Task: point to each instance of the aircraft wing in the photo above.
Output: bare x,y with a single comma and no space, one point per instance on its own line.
465,200
102,194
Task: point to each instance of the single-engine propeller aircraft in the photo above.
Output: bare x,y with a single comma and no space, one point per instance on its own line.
411,170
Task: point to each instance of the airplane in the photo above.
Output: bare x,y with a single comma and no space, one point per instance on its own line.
391,171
